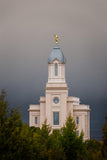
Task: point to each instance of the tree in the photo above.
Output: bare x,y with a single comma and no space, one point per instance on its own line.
15,137
55,151
10,127
93,149
3,108
40,141
72,144
104,130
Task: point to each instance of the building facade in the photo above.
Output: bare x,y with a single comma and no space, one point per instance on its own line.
56,105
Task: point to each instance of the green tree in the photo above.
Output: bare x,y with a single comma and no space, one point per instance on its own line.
93,149
72,144
104,130
3,108
10,124
55,151
15,137
40,142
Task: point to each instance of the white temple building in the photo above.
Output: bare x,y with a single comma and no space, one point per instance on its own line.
56,105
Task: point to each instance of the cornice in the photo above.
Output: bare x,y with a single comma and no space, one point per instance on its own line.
82,109
56,88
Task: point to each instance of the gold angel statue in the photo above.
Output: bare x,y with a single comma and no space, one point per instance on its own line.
56,38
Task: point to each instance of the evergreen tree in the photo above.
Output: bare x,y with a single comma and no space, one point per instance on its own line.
93,149
10,121
72,144
15,137
56,151
104,130
3,109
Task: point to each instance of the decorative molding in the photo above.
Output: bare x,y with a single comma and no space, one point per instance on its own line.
56,88
33,109
82,109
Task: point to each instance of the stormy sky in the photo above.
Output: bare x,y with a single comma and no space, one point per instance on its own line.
26,40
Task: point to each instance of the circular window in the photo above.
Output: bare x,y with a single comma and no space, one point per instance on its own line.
56,100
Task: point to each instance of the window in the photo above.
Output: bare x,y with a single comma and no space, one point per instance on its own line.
56,100
77,120
36,120
56,118
56,69
77,133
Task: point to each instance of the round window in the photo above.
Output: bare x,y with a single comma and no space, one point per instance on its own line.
56,100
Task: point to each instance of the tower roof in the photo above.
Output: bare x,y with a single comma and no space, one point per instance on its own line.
56,54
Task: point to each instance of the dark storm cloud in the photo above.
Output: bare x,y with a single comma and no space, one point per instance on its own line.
26,40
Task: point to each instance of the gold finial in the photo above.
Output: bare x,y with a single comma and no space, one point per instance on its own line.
56,38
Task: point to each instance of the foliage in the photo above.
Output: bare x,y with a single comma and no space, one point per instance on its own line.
3,108
104,130
14,135
73,145
93,149
56,151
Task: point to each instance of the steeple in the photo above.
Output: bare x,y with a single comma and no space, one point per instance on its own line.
56,65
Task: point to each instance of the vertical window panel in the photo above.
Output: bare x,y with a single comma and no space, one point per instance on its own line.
36,120
56,69
56,118
77,133
77,120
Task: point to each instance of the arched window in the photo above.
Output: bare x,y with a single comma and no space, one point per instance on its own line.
56,69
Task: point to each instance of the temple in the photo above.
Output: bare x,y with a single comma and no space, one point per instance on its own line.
57,105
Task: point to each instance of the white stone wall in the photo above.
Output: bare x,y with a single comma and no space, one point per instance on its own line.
82,111
42,110
61,107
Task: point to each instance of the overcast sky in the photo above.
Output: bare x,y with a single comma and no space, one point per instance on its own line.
26,40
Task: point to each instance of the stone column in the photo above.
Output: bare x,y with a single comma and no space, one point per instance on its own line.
42,111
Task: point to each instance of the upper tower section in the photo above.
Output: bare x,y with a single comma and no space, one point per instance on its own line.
56,66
